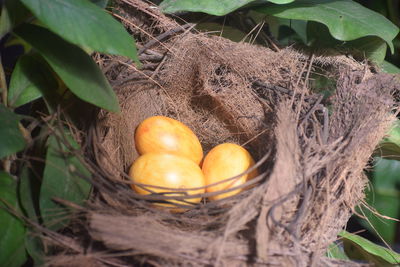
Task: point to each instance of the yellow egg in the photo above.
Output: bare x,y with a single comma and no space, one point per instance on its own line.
225,161
162,134
167,170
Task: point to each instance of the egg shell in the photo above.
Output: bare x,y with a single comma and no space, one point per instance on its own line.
167,170
159,134
226,161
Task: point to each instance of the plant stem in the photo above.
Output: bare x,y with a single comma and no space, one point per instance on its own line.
25,133
3,84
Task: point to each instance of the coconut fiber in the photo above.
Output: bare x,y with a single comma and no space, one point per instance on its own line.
312,148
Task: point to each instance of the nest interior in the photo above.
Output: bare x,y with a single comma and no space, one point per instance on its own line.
314,148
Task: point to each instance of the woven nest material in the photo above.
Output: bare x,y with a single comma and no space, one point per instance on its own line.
311,150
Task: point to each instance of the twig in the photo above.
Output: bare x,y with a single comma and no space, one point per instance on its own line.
255,137
325,132
263,34
301,73
276,88
154,53
279,202
164,36
3,84
7,164
296,223
253,28
109,66
309,68
273,88
157,70
314,108
150,66
302,96
152,58
140,29
25,133
135,75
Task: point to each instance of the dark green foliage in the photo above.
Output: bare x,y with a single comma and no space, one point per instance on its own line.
78,71
12,229
359,248
64,178
85,24
11,137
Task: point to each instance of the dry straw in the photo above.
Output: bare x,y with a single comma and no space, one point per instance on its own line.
312,150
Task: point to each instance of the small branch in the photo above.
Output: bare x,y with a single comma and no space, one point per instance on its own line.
273,88
152,58
279,89
314,108
7,165
264,33
3,87
26,134
325,132
165,35
3,84
134,76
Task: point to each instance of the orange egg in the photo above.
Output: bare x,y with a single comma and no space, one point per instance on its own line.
225,161
162,134
167,170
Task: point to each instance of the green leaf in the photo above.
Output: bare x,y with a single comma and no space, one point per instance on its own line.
318,36
346,19
34,247
370,47
335,251
5,22
389,67
12,230
28,193
389,147
28,80
11,137
12,13
29,188
384,196
31,79
298,26
15,41
85,24
280,2
61,179
213,7
100,3
78,71
359,248
228,32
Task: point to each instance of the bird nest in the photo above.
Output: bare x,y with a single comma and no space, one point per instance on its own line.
311,150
